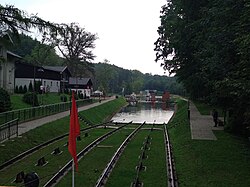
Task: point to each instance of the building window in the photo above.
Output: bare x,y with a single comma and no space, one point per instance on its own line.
51,83
57,83
44,83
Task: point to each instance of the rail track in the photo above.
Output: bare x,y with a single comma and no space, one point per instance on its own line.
32,150
172,177
67,167
105,174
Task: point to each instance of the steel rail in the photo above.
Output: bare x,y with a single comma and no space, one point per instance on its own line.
105,174
172,178
32,150
67,167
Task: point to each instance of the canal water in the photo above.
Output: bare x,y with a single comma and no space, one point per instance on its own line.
151,113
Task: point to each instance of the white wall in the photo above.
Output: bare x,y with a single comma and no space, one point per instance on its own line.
50,85
84,91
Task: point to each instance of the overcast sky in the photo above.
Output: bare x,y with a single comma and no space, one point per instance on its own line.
127,29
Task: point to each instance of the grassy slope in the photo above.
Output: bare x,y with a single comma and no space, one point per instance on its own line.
17,103
225,162
92,165
53,129
205,109
50,98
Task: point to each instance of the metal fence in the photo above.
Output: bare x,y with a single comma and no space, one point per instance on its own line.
8,129
27,114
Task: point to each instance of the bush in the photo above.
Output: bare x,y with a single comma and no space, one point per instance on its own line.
5,103
20,90
28,98
63,98
25,89
30,87
16,89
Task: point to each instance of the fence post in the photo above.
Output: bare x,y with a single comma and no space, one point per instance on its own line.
9,131
17,127
18,115
6,117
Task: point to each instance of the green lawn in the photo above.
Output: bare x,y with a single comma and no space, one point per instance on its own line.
93,164
155,174
43,99
224,163
55,162
17,102
12,148
205,109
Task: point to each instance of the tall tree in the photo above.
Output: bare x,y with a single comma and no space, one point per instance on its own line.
13,21
208,43
76,45
104,75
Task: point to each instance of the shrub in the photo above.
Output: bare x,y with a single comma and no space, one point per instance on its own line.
25,89
30,87
16,89
28,98
63,98
20,90
80,95
5,103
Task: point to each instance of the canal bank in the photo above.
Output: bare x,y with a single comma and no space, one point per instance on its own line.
225,162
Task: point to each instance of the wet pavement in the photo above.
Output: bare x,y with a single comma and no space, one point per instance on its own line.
202,126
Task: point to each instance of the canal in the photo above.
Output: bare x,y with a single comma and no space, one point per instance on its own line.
151,113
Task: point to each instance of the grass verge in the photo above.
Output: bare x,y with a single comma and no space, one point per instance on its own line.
55,162
224,163
34,137
155,174
92,165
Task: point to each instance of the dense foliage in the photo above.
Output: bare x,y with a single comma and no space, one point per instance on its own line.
5,103
76,45
13,21
206,43
31,98
111,78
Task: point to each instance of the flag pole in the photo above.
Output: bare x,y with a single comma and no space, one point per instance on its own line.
73,173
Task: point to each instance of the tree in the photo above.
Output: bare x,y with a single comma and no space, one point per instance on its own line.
104,75
205,43
13,21
43,54
5,103
76,45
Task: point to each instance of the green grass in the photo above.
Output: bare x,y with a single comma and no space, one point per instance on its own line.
104,112
17,102
155,174
125,169
43,99
206,109
50,98
55,162
93,164
51,130
224,163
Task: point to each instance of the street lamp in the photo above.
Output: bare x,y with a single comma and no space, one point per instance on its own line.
34,80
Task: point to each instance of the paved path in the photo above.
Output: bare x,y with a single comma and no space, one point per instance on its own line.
26,126
202,126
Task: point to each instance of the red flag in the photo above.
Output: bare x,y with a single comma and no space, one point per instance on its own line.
74,130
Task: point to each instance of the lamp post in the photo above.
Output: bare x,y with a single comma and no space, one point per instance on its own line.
34,80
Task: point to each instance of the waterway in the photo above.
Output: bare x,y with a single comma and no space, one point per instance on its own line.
151,113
